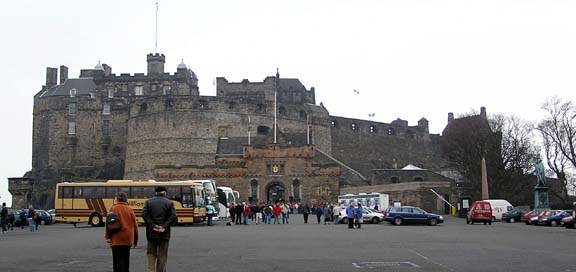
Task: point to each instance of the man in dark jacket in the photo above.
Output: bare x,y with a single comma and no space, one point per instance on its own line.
4,217
158,214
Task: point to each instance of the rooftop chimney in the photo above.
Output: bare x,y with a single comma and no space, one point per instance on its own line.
63,74
450,117
483,112
51,76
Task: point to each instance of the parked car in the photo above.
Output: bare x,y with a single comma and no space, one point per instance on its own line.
44,217
499,207
481,211
408,214
555,218
368,215
539,219
512,216
52,213
568,222
526,217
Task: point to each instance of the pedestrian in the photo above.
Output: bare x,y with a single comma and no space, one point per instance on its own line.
31,215
11,220
4,217
258,214
127,237
358,215
350,215
319,212
158,214
327,214
268,214
210,211
37,219
306,212
285,210
296,206
23,219
239,209
336,214
277,213
246,214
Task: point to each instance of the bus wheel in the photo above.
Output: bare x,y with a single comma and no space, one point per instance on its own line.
95,220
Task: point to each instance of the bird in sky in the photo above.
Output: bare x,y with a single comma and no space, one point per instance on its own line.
357,92
371,114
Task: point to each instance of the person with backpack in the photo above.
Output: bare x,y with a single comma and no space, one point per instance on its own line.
358,215
124,236
210,211
306,212
319,212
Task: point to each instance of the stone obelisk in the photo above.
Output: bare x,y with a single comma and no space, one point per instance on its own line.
485,194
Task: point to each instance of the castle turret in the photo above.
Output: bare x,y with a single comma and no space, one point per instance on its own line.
155,63
450,117
483,112
423,124
51,76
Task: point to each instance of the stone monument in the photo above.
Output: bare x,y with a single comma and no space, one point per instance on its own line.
541,191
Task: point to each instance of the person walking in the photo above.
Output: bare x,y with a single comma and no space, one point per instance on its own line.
336,214
319,212
23,219
158,214
285,211
4,217
11,220
350,216
268,214
305,212
31,219
327,214
277,212
239,209
358,215
232,212
246,214
210,211
127,237
258,210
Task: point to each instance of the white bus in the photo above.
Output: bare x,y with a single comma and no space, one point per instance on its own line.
367,200
226,197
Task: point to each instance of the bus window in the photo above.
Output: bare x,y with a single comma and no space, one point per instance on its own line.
142,192
174,193
111,191
93,192
67,192
187,200
78,192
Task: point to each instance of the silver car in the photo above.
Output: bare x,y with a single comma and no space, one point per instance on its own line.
369,215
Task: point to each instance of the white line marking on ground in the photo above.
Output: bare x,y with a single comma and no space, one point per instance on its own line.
428,259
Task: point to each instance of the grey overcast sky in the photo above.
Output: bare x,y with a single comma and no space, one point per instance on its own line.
407,59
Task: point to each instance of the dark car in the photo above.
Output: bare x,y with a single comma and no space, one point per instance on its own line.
555,219
512,216
44,217
408,214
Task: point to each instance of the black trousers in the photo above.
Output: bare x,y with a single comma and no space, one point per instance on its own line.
350,223
305,218
121,258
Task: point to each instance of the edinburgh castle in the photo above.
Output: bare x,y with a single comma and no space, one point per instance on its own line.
157,125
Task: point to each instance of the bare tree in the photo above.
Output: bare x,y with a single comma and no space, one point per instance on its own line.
558,132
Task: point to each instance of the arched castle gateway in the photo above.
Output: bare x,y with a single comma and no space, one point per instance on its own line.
157,126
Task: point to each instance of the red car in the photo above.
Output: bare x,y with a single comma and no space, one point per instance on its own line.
481,211
568,222
526,217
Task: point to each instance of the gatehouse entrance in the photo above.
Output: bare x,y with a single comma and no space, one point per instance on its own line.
275,192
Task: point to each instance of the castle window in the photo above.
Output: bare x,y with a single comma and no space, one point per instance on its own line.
231,105
73,92
143,108
354,126
106,109
333,124
117,151
282,110
166,90
263,130
303,114
71,128
139,90
203,104
105,128
72,108
395,179
391,131
154,87
372,129
418,179
110,93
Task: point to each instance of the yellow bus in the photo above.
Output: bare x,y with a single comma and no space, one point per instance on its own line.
89,202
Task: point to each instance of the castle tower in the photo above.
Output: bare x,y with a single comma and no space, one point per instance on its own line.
155,63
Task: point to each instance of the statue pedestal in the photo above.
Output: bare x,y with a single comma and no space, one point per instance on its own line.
541,198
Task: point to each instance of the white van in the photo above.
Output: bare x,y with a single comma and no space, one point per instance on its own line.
499,206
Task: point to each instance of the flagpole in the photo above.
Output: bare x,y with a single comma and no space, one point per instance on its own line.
156,34
308,129
275,93
248,130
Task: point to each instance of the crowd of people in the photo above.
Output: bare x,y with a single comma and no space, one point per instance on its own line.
22,218
279,213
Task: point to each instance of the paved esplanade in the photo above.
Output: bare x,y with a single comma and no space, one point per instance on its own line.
452,246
